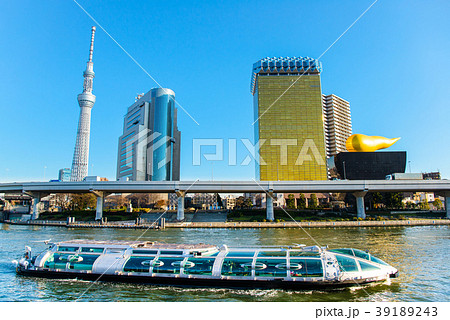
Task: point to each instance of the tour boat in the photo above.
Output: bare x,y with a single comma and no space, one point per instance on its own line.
285,267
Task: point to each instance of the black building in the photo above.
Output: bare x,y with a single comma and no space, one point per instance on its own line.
369,165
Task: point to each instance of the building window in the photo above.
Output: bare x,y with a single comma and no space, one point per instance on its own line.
127,136
126,159
126,170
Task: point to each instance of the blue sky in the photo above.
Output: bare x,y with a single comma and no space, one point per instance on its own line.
392,66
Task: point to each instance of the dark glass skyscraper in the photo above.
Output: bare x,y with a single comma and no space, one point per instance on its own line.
149,149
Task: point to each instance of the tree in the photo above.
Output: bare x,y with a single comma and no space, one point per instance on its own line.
290,203
424,205
63,201
141,200
377,198
313,201
301,201
117,201
437,203
397,200
83,201
240,202
160,204
410,205
393,200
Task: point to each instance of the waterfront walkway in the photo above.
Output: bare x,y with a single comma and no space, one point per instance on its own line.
252,225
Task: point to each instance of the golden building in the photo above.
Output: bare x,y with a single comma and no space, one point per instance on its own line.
289,129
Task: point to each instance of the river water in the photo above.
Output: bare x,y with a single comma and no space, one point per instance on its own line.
420,253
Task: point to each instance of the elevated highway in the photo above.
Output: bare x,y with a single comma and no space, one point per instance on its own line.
102,188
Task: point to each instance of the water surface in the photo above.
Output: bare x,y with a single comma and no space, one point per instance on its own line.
420,253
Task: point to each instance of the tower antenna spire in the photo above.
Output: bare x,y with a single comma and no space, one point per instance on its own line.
91,50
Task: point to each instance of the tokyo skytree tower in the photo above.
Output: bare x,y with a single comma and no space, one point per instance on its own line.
86,101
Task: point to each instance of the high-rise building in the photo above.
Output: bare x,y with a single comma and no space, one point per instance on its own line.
337,123
149,148
86,101
289,133
64,174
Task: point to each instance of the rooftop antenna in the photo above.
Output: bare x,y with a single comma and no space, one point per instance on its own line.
91,50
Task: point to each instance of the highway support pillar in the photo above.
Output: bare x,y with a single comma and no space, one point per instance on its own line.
269,206
447,204
180,206
360,209
36,200
100,201
35,208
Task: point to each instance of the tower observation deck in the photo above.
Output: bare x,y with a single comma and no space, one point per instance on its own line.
86,101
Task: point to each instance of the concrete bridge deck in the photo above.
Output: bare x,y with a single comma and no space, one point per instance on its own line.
102,188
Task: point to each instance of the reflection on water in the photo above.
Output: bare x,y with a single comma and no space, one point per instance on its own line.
420,254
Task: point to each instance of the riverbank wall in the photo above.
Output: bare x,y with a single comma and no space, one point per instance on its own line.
117,225
311,224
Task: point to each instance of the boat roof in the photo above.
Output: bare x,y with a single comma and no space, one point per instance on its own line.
179,246
135,244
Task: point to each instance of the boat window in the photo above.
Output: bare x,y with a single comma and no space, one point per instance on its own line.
344,251
82,261
347,264
96,250
361,254
208,254
270,268
67,249
272,254
314,267
304,254
240,254
199,266
237,267
377,260
167,265
171,253
145,251
54,261
115,250
367,266
138,264
306,267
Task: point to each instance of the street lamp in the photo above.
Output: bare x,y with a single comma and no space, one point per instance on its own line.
345,176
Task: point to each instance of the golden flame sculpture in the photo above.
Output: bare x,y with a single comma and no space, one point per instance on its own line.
363,143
